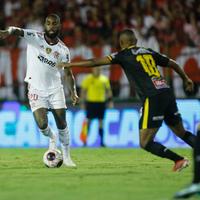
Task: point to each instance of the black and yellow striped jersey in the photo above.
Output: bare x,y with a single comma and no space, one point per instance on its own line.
140,66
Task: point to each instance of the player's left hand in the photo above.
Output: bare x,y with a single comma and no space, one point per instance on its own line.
189,85
74,98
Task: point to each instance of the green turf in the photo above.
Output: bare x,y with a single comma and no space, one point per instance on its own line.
102,174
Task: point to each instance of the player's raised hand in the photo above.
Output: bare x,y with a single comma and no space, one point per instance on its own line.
189,85
3,34
63,65
74,98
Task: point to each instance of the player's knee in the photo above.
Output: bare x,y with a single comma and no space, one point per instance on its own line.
62,125
42,124
146,136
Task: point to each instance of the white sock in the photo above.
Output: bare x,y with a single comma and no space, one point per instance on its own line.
47,132
64,140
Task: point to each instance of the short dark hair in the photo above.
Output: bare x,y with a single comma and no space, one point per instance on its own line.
130,34
53,15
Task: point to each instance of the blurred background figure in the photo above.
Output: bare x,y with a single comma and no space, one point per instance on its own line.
96,96
194,187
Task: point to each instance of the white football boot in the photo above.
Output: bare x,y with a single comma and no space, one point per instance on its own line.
67,161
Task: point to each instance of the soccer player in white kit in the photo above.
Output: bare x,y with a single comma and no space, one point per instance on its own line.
45,89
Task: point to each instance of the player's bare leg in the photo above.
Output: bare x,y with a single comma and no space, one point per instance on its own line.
186,136
64,137
41,119
147,143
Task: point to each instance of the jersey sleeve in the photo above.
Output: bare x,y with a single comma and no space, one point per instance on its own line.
32,37
160,59
66,55
114,58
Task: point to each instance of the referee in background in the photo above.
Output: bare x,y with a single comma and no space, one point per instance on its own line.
96,95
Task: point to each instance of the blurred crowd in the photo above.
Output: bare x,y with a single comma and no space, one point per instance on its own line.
94,22
163,25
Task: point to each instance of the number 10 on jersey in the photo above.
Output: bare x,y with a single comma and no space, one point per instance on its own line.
148,63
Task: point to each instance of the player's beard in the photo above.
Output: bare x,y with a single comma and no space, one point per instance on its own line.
52,35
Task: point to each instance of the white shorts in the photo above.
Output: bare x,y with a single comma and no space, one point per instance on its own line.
54,99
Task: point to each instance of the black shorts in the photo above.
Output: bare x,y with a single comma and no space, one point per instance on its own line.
95,110
158,108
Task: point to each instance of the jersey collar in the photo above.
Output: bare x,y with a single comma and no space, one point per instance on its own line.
51,44
129,47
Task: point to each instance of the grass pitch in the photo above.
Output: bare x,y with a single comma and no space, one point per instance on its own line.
102,174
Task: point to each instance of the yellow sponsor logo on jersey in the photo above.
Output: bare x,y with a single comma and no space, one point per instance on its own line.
48,50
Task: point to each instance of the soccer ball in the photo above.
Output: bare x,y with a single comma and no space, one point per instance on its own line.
52,158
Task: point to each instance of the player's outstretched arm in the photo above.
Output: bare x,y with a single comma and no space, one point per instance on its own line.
11,31
188,83
87,63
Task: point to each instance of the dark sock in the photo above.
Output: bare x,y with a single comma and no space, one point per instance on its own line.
196,156
101,136
189,138
162,151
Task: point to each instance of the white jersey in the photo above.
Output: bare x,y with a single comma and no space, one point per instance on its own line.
42,58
